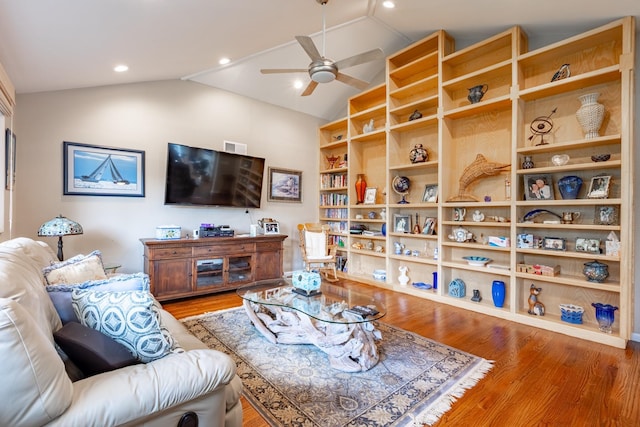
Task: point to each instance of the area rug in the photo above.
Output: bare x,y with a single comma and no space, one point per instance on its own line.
414,383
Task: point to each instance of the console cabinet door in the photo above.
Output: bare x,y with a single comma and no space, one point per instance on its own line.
269,260
171,277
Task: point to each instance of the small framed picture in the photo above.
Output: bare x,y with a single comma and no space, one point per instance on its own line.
401,223
538,187
554,243
606,215
599,187
588,245
271,228
429,226
430,193
370,196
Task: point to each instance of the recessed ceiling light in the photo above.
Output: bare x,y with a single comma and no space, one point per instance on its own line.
297,84
120,68
224,61
389,4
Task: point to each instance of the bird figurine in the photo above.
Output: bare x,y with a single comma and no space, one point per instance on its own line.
415,115
562,73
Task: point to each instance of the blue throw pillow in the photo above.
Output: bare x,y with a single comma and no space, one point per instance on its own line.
61,294
132,318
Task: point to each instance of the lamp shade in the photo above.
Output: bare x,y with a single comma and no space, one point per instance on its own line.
60,226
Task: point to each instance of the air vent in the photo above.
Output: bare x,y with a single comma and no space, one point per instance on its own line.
235,147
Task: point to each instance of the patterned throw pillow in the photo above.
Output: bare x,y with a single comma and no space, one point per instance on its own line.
131,317
61,294
78,269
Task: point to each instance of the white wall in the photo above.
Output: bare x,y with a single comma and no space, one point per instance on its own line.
146,116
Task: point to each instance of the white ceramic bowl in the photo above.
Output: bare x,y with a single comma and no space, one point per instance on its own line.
560,159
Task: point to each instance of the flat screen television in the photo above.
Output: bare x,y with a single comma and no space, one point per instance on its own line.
200,176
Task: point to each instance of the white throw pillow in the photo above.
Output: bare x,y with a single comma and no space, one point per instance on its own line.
80,268
131,317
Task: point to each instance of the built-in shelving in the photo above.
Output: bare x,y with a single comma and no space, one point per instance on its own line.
424,103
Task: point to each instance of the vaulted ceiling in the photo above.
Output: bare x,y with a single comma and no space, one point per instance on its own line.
64,44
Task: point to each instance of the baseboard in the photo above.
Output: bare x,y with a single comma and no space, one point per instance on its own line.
635,336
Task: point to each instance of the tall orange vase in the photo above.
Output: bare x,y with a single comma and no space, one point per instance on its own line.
361,187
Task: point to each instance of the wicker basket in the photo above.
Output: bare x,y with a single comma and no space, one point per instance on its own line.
571,313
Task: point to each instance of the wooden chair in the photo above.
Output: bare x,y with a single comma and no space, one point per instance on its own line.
317,253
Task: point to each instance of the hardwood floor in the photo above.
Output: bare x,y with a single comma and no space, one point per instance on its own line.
539,378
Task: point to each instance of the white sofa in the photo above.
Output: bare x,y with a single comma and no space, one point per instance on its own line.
36,389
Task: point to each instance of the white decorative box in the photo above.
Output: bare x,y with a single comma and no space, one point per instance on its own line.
501,242
168,232
306,281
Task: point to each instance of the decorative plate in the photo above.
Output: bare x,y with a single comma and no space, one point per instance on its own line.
422,285
476,260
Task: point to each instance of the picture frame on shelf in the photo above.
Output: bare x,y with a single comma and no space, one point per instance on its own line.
538,187
588,245
599,187
285,185
401,223
429,227
606,215
271,228
554,244
370,196
85,166
430,193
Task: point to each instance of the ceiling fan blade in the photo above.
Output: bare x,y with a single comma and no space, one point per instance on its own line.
352,81
283,70
360,58
309,47
310,88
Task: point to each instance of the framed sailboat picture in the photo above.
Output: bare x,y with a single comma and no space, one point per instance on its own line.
91,170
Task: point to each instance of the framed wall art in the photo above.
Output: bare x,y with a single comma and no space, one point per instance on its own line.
538,187
599,187
370,196
606,215
285,185
92,170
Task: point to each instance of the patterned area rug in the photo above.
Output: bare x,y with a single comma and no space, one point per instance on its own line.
414,383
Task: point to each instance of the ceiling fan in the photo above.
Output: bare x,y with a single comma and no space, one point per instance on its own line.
324,70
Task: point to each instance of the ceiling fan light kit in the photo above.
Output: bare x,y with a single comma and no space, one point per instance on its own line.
324,70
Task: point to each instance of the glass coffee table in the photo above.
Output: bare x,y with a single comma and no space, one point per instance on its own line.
338,321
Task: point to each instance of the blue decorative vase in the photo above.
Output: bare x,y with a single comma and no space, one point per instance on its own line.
604,316
498,291
569,186
384,229
435,280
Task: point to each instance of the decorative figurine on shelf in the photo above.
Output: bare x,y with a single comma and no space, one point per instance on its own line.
476,170
418,154
343,163
457,288
535,306
369,127
562,73
477,92
403,278
476,296
415,115
416,227
332,161
541,126
478,216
